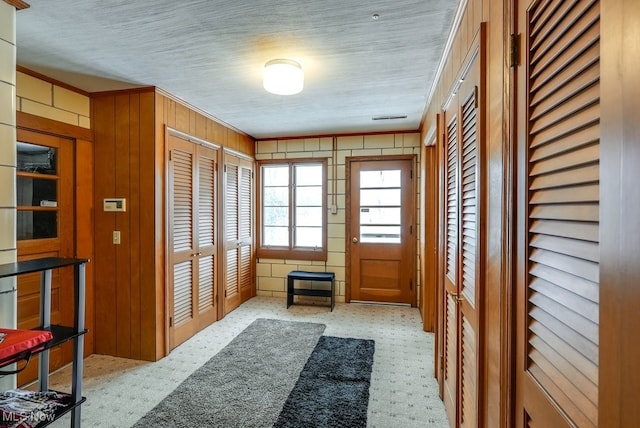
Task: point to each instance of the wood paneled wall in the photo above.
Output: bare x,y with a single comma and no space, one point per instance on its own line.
129,163
126,298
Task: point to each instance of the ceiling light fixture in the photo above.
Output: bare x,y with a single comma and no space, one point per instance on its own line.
283,77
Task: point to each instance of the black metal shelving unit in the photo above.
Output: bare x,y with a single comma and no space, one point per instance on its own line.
60,333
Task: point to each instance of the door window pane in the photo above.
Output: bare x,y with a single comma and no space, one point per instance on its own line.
380,197
36,192
36,224
380,179
380,207
36,159
369,216
380,234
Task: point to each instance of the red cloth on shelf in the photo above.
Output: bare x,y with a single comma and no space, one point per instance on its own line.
18,341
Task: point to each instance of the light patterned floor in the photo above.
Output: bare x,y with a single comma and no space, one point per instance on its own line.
403,390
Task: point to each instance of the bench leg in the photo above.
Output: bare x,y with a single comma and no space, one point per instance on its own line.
289,292
333,294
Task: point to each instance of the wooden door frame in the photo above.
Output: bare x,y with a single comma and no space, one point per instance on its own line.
348,161
83,247
507,351
439,256
619,376
430,210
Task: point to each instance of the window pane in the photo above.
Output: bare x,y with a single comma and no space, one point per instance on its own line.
380,234
379,179
275,175
36,159
378,197
308,237
309,196
275,216
308,175
275,236
380,216
37,224
309,216
36,192
276,197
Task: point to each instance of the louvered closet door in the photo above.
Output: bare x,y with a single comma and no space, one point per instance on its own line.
181,184
557,330
192,197
450,266
245,235
238,232
462,236
206,255
469,240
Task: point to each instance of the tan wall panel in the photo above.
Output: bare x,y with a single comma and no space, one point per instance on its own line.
49,100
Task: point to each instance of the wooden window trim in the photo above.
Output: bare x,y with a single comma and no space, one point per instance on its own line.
291,253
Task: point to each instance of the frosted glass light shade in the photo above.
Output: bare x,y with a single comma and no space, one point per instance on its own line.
283,77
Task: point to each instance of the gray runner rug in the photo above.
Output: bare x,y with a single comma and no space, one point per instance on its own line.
333,389
245,384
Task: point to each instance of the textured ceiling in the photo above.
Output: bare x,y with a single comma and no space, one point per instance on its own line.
210,53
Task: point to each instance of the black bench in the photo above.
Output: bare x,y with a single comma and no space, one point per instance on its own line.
310,276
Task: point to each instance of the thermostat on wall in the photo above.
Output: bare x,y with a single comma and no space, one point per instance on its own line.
115,204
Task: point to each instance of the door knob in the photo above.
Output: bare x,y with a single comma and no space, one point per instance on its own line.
355,240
